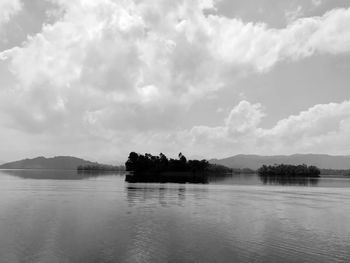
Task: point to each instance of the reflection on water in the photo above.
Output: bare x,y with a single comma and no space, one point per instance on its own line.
168,177
160,195
282,180
74,218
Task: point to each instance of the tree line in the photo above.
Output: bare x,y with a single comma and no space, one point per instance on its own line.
287,170
157,164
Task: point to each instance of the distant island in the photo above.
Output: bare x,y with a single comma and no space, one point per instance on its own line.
335,164
288,170
153,168
54,163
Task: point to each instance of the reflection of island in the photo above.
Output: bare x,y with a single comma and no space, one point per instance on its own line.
161,194
149,168
166,195
167,177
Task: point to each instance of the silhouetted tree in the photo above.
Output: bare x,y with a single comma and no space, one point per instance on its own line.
286,170
149,163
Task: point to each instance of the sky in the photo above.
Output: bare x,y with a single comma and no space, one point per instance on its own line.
208,78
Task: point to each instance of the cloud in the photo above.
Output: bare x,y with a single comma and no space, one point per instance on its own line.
321,128
244,117
260,47
129,71
108,58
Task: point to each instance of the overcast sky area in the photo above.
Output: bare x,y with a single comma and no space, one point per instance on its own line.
98,79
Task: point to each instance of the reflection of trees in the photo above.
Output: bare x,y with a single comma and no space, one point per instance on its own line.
282,180
161,194
167,177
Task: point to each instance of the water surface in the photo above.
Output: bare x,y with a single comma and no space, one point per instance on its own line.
60,216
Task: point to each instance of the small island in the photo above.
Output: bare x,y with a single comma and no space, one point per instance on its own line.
151,168
289,171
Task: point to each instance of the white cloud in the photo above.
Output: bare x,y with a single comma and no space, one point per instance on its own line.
244,117
321,128
130,69
260,47
319,119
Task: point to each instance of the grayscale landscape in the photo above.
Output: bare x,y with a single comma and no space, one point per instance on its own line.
174,131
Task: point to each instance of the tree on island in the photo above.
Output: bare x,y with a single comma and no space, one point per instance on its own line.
287,170
158,164
150,163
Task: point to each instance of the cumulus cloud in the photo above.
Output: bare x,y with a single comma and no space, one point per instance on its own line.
106,69
323,127
261,47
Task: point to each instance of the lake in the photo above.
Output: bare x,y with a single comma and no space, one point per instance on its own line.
61,216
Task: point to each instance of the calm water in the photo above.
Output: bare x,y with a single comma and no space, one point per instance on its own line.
50,216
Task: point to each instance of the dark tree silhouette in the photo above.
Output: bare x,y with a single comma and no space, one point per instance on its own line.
149,168
158,164
286,170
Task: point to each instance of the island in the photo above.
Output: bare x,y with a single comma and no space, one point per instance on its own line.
47,163
152,168
288,170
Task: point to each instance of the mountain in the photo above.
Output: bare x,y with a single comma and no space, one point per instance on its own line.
322,161
58,162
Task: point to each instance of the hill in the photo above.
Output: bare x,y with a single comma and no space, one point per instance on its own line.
322,161
58,162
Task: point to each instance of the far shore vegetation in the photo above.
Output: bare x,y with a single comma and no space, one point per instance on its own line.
288,170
